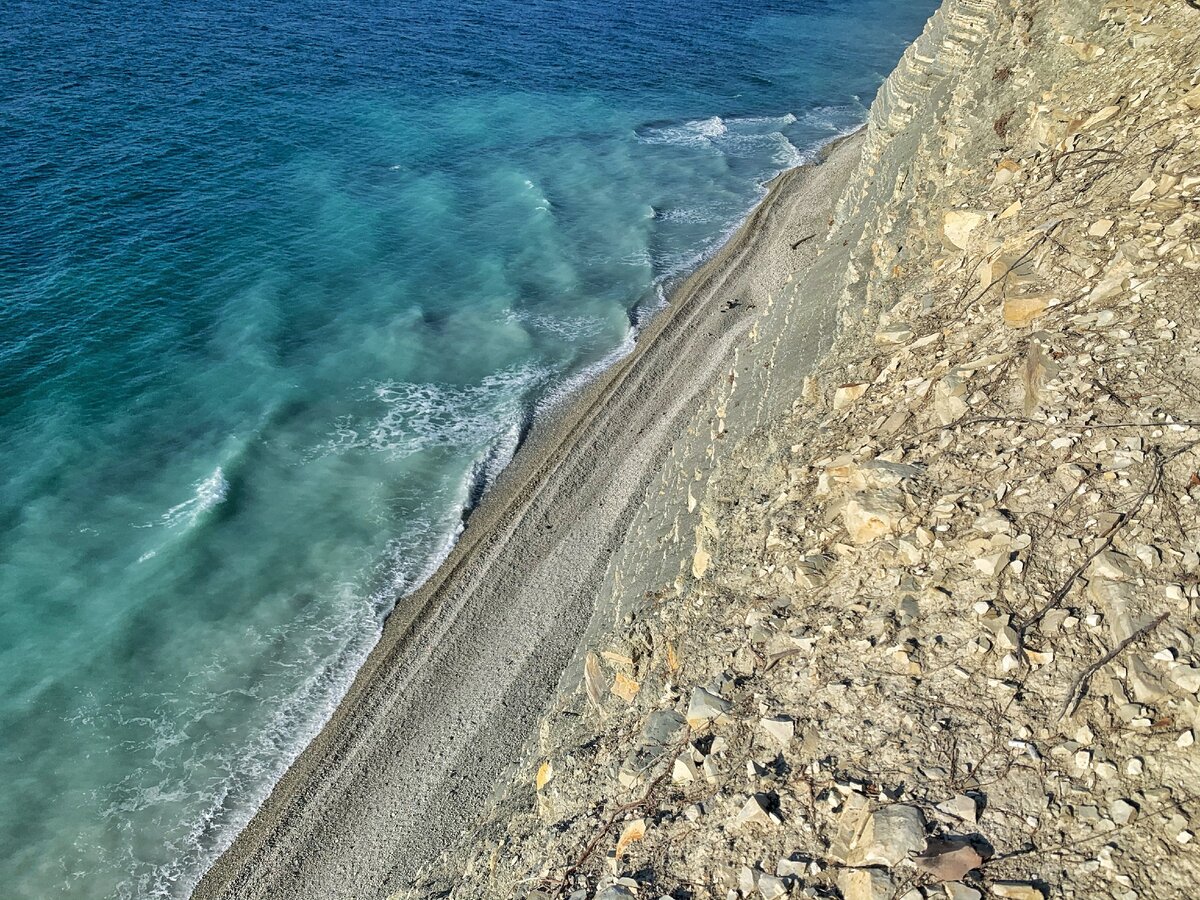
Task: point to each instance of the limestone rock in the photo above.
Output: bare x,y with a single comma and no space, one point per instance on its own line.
781,728
616,892
663,727
1085,51
962,807
1111,565
893,335
892,834
755,812
771,887
948,402
684,771
847,394
625,687
1123,812
705,706
992,564
1114,281
957,225
870,516
1018,890
1186,678
866,884
1021,309
851,825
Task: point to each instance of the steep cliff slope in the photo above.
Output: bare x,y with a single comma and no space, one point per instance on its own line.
922,621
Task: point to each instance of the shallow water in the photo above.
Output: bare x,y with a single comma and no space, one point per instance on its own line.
280,287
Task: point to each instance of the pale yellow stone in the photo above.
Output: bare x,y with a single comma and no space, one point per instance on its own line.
1017,890
672,659
1022,310
847,394
1144,190
957,225
1006,171
868,518
1098,118
593,680
544,773
625,687
1039,657
1101,227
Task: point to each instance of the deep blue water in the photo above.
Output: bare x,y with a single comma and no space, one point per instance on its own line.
279,285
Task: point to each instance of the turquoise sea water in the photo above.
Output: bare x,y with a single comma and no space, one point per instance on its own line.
281,286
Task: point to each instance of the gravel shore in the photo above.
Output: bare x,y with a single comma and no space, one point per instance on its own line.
466,666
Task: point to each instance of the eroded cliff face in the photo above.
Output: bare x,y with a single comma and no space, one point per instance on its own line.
922,620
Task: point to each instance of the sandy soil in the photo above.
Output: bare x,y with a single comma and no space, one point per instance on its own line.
466,665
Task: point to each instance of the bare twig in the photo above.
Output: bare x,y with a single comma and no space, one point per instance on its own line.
612,820
1123,519
1107,834
1080,685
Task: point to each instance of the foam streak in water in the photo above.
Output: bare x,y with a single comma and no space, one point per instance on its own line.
207,494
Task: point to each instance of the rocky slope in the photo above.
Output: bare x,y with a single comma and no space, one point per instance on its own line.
922,622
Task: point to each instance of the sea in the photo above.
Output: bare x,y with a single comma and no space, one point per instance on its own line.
283,284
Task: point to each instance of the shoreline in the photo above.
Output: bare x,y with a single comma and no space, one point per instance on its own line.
467,663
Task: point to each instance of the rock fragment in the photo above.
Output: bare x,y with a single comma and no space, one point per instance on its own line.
892,834
957,226
866,884
1018,890
846,395
1123,811
755,811
705,706
771,887
872,515
948,860
1021,309
961,807
781,728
